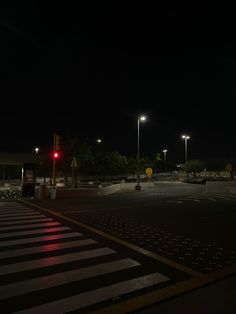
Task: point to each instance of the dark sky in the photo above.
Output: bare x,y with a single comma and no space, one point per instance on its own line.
89,72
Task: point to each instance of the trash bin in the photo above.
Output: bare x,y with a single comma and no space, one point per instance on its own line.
42,191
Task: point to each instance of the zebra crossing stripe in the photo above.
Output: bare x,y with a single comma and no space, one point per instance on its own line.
16,212
38,231
54,260
54,280
14,209
24,221
25,217
46,248
91,297
33,226
40,239
22,214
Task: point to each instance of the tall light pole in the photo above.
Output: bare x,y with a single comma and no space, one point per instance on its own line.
165,151
36,150
98,141
186,138
138,186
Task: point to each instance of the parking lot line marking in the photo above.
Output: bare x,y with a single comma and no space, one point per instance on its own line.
124,243
176,202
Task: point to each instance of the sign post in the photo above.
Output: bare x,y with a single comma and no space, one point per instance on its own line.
229,168
149,172
74,168
29,179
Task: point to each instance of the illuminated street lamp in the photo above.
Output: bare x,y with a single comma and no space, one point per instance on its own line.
36,150
98,141
186,138
138,187
165,151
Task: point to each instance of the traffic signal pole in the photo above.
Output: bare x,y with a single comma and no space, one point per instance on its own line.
54,162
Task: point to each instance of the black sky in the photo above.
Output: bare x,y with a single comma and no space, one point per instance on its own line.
90,72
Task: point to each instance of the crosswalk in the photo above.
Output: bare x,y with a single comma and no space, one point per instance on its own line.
48,267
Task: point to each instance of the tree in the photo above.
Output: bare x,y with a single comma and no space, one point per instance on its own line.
194,166
110,163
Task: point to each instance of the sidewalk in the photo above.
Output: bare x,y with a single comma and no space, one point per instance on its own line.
217,298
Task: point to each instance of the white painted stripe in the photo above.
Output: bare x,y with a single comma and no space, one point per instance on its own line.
25,221
54,260
8,212
13,206
54,280
12,209
46,248
22,218
224,198
33,226
38,231
18,214
176,202
39,239
97,295
211,199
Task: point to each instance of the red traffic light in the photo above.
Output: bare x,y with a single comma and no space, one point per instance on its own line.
56,155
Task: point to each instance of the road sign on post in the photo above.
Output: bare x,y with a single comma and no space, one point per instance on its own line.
149,172
73,168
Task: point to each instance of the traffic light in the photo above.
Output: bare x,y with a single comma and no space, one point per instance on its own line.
55,155
58,142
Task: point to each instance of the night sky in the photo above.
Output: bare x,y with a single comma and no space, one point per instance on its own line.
89,72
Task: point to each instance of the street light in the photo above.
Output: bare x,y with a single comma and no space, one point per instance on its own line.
165,151
138,186
98,141
36,150
186,138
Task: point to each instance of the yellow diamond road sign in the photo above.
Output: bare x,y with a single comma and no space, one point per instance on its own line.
149,171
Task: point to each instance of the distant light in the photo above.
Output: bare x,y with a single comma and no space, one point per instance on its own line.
99,140
186,136
142,118
165,150
36,150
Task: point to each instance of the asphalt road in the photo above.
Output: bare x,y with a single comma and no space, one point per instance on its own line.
180,222
176,230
